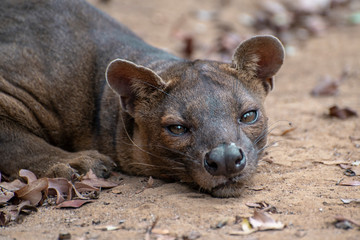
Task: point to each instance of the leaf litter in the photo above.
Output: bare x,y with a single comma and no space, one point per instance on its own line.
341,113
350,200
260,221
348,182
263,206
346,223
18,198
329,86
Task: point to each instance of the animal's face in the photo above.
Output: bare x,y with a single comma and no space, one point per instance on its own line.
201,122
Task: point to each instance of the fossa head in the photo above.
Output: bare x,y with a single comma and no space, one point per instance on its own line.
201,122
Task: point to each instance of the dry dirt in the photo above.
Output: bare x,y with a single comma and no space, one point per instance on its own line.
304,191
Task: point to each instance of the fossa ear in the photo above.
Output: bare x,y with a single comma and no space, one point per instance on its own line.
261,57
131,81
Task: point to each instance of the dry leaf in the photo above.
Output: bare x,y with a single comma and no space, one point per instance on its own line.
64,236
62,187
36,189
263,221
4,218
28,175
264,206
341,113
74,203
92,180
326,87
345,166
82,187
345,223
347,201
259,222
349,182
5,196
77,192
117,190
288,131
258,205
246,228
25,207
12,186
33,191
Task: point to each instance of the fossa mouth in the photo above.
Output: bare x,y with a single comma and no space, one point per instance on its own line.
232,187
224,185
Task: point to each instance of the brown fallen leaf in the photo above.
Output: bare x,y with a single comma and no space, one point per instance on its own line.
263,206
62,187
349,182
345,166
78,195
12,186
24,207
246,228
341,113
92,180
4,218
33,191
329,86
259,222
37,190
263,221
64,236
326,87
74,203
28,175
117,190
285,132
5,196
82,187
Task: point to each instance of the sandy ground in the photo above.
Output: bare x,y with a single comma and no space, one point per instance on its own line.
289,177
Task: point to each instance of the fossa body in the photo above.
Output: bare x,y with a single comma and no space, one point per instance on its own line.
79,91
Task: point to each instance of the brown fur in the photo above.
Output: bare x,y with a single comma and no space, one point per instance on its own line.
58,116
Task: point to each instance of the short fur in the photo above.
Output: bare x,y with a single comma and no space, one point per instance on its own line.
59,117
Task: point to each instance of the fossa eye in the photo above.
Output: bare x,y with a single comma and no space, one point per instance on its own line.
249,117
177,130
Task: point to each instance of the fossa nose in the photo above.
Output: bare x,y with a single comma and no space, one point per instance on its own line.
225,160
